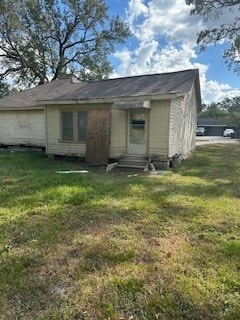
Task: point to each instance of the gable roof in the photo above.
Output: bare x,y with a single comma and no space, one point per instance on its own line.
154,84
28,98
65,89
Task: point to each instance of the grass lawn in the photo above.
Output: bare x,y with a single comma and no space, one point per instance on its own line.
118,246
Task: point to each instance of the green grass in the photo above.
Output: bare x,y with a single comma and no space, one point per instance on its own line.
100,246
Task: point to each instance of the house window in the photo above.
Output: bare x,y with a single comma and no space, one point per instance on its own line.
82,125
67,126
137,126
74,126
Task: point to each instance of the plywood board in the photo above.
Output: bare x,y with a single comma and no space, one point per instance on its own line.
98,136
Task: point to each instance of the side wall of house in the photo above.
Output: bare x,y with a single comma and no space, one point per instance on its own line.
22,127
159,128
183,122
53,126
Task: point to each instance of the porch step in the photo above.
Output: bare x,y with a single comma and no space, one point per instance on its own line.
134,162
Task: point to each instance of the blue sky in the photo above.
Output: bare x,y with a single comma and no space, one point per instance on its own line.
164,39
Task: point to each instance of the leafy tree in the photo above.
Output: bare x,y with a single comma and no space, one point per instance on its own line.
4,89
214,110
213,10
227,111
41,40
232,106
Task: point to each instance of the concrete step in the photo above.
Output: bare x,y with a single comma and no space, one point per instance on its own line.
134,161
137,161
135,157
133,166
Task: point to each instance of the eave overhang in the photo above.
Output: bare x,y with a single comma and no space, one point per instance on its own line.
38,107
112,100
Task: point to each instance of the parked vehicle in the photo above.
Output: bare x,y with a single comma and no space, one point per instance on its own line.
228,132
234,135
201,131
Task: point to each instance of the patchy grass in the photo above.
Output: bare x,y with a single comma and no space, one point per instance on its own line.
101,246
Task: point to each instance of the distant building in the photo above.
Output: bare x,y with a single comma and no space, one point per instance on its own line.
212,126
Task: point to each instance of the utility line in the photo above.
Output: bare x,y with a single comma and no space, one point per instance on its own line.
220,90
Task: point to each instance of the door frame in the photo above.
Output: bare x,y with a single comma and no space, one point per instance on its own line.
146,132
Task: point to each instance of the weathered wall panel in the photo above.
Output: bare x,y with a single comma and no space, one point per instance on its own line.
54,144
22,127
183,120
118,138
159,128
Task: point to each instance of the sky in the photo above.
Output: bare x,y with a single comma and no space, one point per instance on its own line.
164,39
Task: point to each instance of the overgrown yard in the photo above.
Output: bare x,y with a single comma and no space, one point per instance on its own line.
112,246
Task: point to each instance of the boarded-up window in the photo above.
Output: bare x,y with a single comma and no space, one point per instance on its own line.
82,125
67,125
97,147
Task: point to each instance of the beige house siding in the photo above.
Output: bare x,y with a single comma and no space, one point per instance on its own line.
53,127
118,133
54,145
190,142
22,127
171,129
159,128
183,113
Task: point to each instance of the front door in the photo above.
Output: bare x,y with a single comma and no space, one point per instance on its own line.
137,136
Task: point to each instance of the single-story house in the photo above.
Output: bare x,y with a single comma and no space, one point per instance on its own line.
152,116
212,126
22,121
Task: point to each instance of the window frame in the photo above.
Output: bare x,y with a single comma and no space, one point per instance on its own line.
75,128
67,127
82,127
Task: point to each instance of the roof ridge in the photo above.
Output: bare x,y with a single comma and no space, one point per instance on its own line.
142,75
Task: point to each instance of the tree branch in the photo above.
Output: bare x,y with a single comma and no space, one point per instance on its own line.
9,71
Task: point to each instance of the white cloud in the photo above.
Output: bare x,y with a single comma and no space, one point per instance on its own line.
163,17
146,52
166,37
213,91
135,9
125,57
147,59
